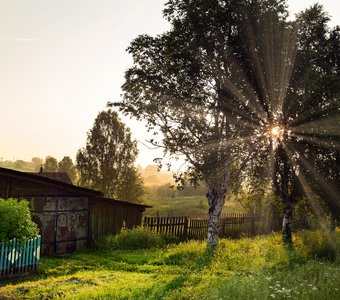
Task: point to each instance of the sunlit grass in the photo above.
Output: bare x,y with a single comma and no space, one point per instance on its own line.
259,268
187,206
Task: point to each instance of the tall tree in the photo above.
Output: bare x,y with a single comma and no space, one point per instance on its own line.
218,87
66,165
107,160
131,187
316,93
193,83
36,163
51,164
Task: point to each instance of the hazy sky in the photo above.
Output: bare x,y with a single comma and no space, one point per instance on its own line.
61,61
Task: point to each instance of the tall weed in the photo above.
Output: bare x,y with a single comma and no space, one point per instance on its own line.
136,238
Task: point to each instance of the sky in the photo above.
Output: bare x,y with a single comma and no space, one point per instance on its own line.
61,61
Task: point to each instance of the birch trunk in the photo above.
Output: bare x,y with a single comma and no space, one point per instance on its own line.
216,203
216,198
287,220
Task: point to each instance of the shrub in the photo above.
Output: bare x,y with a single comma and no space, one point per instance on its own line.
137,238
15,220
317,245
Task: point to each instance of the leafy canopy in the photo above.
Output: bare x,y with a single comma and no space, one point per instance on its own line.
224,75
66,165
106,163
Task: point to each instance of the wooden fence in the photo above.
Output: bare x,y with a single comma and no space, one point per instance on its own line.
230,225
18,257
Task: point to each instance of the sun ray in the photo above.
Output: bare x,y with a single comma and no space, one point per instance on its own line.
327,125
232,79
323,183
315,114
287,65
317,140
308,191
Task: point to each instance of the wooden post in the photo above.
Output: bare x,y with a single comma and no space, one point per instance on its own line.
185,228
222,233
252,225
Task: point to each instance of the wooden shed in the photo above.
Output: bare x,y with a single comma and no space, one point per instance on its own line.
69,217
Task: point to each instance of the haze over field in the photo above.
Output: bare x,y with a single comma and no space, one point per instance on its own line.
61,61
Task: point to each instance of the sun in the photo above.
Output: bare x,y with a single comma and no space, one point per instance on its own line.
276,132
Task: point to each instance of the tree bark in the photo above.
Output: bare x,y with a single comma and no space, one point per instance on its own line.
216,198
287,220
215,207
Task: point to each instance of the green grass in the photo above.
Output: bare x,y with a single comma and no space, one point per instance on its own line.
187,206
259,268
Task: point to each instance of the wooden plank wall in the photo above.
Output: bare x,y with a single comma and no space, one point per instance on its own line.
109,218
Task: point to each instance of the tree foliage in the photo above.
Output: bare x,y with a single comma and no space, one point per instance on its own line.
66,165
36,163
131,187
51,164
106,163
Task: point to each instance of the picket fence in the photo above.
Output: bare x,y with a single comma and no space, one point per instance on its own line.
230,225
19,257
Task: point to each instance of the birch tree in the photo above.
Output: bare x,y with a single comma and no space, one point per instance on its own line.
192,82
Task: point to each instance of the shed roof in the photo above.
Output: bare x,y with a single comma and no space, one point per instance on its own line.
57,181
46,181
120,202
60,176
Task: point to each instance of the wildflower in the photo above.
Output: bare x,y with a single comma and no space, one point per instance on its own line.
272,295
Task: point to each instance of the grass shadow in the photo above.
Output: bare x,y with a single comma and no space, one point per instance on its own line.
205,259
161,291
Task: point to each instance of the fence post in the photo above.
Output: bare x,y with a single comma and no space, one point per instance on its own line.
222,228
185,229
252,225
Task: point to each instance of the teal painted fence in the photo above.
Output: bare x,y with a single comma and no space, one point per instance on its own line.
17,257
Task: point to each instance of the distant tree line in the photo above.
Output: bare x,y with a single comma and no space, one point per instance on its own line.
50,164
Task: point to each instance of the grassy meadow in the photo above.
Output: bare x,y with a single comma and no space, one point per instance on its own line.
258,268
186,206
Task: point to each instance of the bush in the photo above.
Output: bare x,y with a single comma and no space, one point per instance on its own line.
317,245
15,220
137,238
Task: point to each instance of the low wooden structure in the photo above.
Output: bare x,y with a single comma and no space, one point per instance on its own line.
109,216
231,225
69,217
18,258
